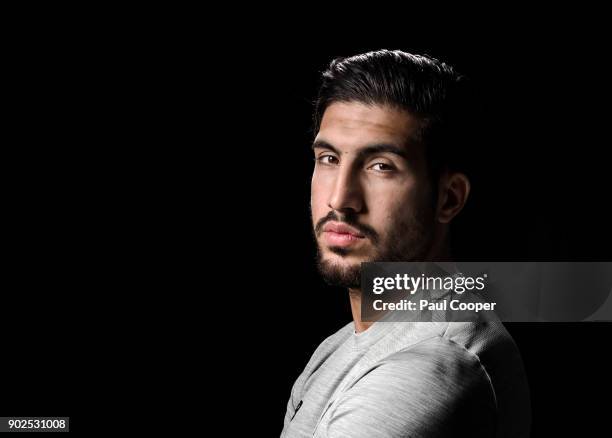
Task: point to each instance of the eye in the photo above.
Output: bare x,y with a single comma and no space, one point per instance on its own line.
327,159
382,167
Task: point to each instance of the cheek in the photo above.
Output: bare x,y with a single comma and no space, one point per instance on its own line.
317,199
393,207
391,200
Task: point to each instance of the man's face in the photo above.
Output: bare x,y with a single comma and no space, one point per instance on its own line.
370,196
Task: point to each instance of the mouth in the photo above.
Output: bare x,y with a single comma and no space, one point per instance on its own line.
339,234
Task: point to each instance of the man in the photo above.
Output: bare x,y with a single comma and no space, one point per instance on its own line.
386,185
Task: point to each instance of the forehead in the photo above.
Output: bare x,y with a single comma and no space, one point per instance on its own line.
355,123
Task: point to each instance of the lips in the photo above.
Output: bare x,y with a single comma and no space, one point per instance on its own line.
339,234
340,228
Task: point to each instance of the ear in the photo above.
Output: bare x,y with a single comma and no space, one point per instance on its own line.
453,191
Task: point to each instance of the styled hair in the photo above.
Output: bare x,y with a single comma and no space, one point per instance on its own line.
428,89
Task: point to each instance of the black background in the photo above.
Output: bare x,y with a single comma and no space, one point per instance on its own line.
149,157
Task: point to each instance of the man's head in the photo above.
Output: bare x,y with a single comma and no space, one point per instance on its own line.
386,181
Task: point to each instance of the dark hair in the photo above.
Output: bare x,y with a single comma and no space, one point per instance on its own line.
425,87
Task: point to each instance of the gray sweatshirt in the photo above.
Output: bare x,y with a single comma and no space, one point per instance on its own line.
412,379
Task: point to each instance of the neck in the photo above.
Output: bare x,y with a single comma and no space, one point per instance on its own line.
355,298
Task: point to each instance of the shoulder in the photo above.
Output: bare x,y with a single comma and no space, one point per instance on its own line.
433,388
325,349
479,336
331,343
444,367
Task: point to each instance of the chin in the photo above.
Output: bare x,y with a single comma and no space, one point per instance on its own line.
338,270
348,260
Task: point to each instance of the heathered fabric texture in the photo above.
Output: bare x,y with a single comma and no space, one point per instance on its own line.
412,379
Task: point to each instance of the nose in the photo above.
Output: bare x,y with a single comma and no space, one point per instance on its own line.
347,194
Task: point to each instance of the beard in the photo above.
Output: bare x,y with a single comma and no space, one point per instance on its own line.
409,240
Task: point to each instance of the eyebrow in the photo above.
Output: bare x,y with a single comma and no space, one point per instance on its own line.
365,151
